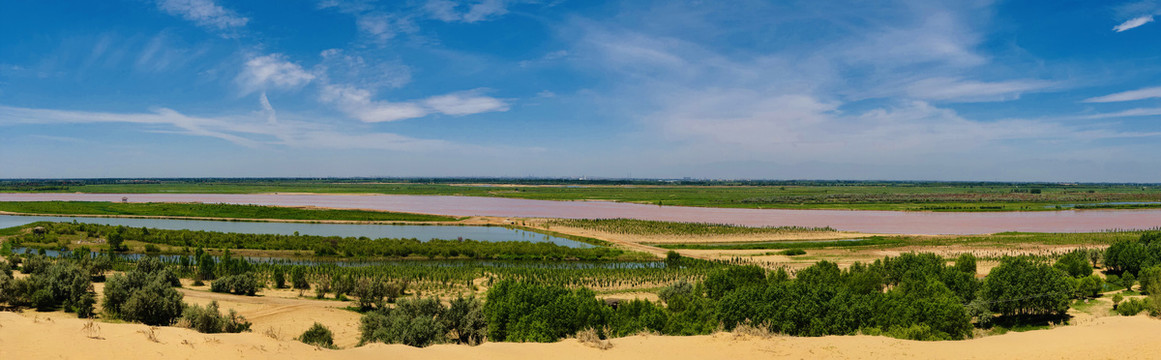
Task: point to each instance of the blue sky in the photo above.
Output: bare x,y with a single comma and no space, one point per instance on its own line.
931,90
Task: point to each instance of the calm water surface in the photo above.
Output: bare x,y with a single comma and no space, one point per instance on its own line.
868,221
421,232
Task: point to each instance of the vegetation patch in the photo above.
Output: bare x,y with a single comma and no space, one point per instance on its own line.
670,228
208,211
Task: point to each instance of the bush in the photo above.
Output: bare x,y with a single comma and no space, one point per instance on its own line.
318,335
413,322
156,304
279,279
245,284
792,252
209,320
721,281
1089,286
145,295
1151,280
464,319
680,288
1132,307
522,311
298,279
370,293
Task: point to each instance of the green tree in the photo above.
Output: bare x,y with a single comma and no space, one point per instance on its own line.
1023,286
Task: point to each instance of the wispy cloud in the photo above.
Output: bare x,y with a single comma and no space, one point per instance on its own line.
358,103
1131,95
257,130
475,11
204,13
960,90
465,103
341,66
271,71
1133,23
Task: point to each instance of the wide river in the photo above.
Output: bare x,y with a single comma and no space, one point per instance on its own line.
896,222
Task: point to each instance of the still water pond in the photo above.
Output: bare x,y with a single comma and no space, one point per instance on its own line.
421,232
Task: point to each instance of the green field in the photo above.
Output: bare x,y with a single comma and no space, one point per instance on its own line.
670,228
856,195
998,240
208,211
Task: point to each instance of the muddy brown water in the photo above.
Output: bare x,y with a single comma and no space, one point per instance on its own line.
895,222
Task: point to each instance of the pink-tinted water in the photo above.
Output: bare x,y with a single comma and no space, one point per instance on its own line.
895,222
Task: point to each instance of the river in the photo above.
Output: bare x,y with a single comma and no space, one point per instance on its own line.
891,222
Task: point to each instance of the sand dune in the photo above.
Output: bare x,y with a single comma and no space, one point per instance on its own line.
33,335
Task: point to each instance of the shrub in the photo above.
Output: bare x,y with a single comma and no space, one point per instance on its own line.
1089,286
279,279
370,292
156,304
413,322
298,279
721,281
318,335
1151,280
680,288
792,252
245,284
145,295
209,320
523,311
1132,307
464,319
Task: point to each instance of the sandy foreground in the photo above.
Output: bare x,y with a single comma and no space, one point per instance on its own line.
33,335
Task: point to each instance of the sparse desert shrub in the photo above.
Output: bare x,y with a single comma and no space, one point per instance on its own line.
298,279
464,319
318,335
414,322
244,284
279,279
1132,307
209,319
680,288
145,294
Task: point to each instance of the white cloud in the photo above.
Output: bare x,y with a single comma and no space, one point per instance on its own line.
485,9
479,10
271,72
204,13
358,104
1132,95
960,90
444,10
465,103
1133,23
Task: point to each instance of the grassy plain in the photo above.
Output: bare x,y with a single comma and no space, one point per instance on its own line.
225,211
854,195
